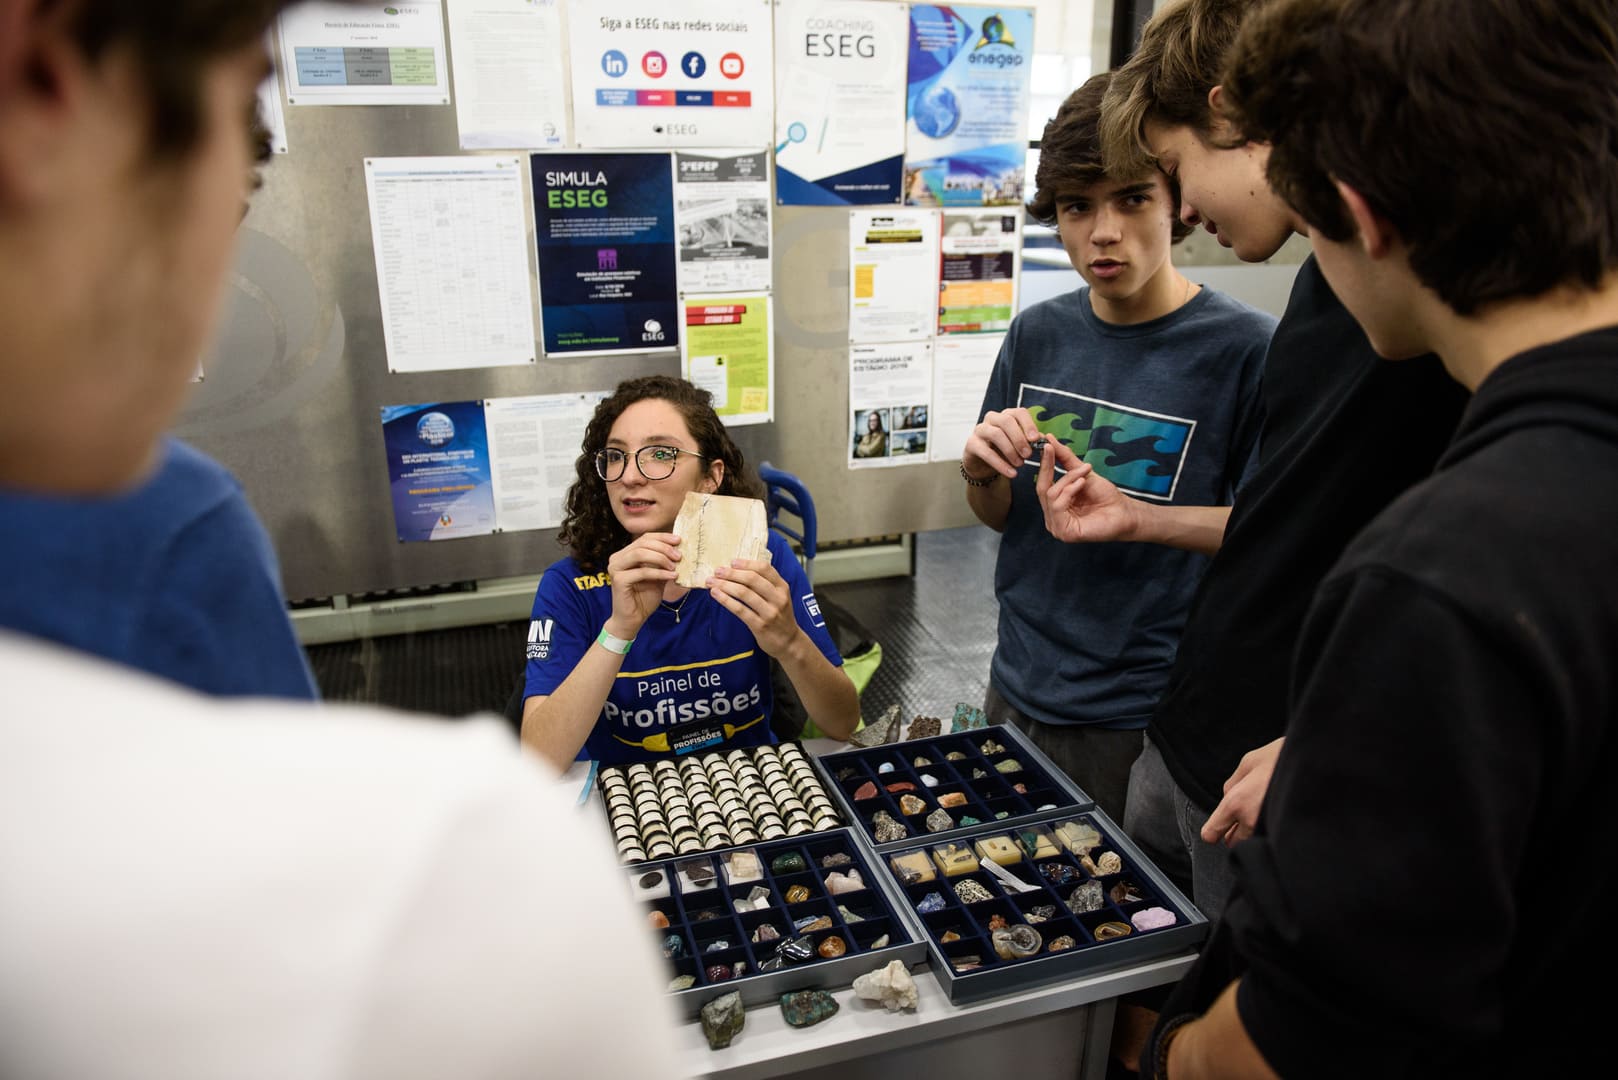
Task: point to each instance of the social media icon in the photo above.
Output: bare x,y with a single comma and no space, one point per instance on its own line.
693,64
654,64
730,65
614,63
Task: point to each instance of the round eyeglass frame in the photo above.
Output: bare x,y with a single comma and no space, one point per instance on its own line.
605,470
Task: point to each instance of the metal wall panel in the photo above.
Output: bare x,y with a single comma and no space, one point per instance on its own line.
293,388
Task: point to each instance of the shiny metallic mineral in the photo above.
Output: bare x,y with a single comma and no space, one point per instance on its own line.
796,950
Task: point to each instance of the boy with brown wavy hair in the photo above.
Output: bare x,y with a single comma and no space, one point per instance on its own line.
1140,357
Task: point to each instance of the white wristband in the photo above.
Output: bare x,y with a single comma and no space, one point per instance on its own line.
613,644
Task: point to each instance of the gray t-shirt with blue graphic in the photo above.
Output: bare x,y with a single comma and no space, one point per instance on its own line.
1169,410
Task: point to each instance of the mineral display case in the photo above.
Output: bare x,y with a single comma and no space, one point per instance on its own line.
765,919
1008,871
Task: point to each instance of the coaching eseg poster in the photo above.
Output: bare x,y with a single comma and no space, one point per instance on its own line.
966,101
840,91
438,469
604,226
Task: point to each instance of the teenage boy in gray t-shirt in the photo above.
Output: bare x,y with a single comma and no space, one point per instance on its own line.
1153,382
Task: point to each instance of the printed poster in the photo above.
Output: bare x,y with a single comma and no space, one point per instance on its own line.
966,104
962,364
722,208
889,392
534,442
729,352
840,91
451,249
510,77
438,470
977,286
671,73
604,226
370,54
893,274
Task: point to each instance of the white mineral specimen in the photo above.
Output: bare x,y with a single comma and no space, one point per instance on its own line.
892,986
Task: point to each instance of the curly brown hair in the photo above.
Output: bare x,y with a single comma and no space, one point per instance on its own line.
590,531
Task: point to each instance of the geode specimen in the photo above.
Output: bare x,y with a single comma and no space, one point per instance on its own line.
1016,942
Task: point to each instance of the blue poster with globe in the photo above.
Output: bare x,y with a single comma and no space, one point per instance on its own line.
438,470
966,105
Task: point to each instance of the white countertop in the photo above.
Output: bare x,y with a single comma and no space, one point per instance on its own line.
767,1042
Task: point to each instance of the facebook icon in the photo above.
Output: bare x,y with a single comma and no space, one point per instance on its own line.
693,65
614,63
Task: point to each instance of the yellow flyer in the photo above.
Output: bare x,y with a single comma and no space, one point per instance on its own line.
728,351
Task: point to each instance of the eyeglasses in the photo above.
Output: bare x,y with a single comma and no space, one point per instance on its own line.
654,462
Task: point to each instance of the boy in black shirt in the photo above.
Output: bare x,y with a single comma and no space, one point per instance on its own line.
1453,694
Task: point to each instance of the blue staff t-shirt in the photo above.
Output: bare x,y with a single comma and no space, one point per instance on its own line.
692,667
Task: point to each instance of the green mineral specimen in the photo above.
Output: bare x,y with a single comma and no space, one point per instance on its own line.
790,863
807,1007
722,1019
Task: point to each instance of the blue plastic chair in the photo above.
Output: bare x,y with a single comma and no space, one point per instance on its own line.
786,493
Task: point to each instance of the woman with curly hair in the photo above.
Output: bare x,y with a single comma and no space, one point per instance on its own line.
625,664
